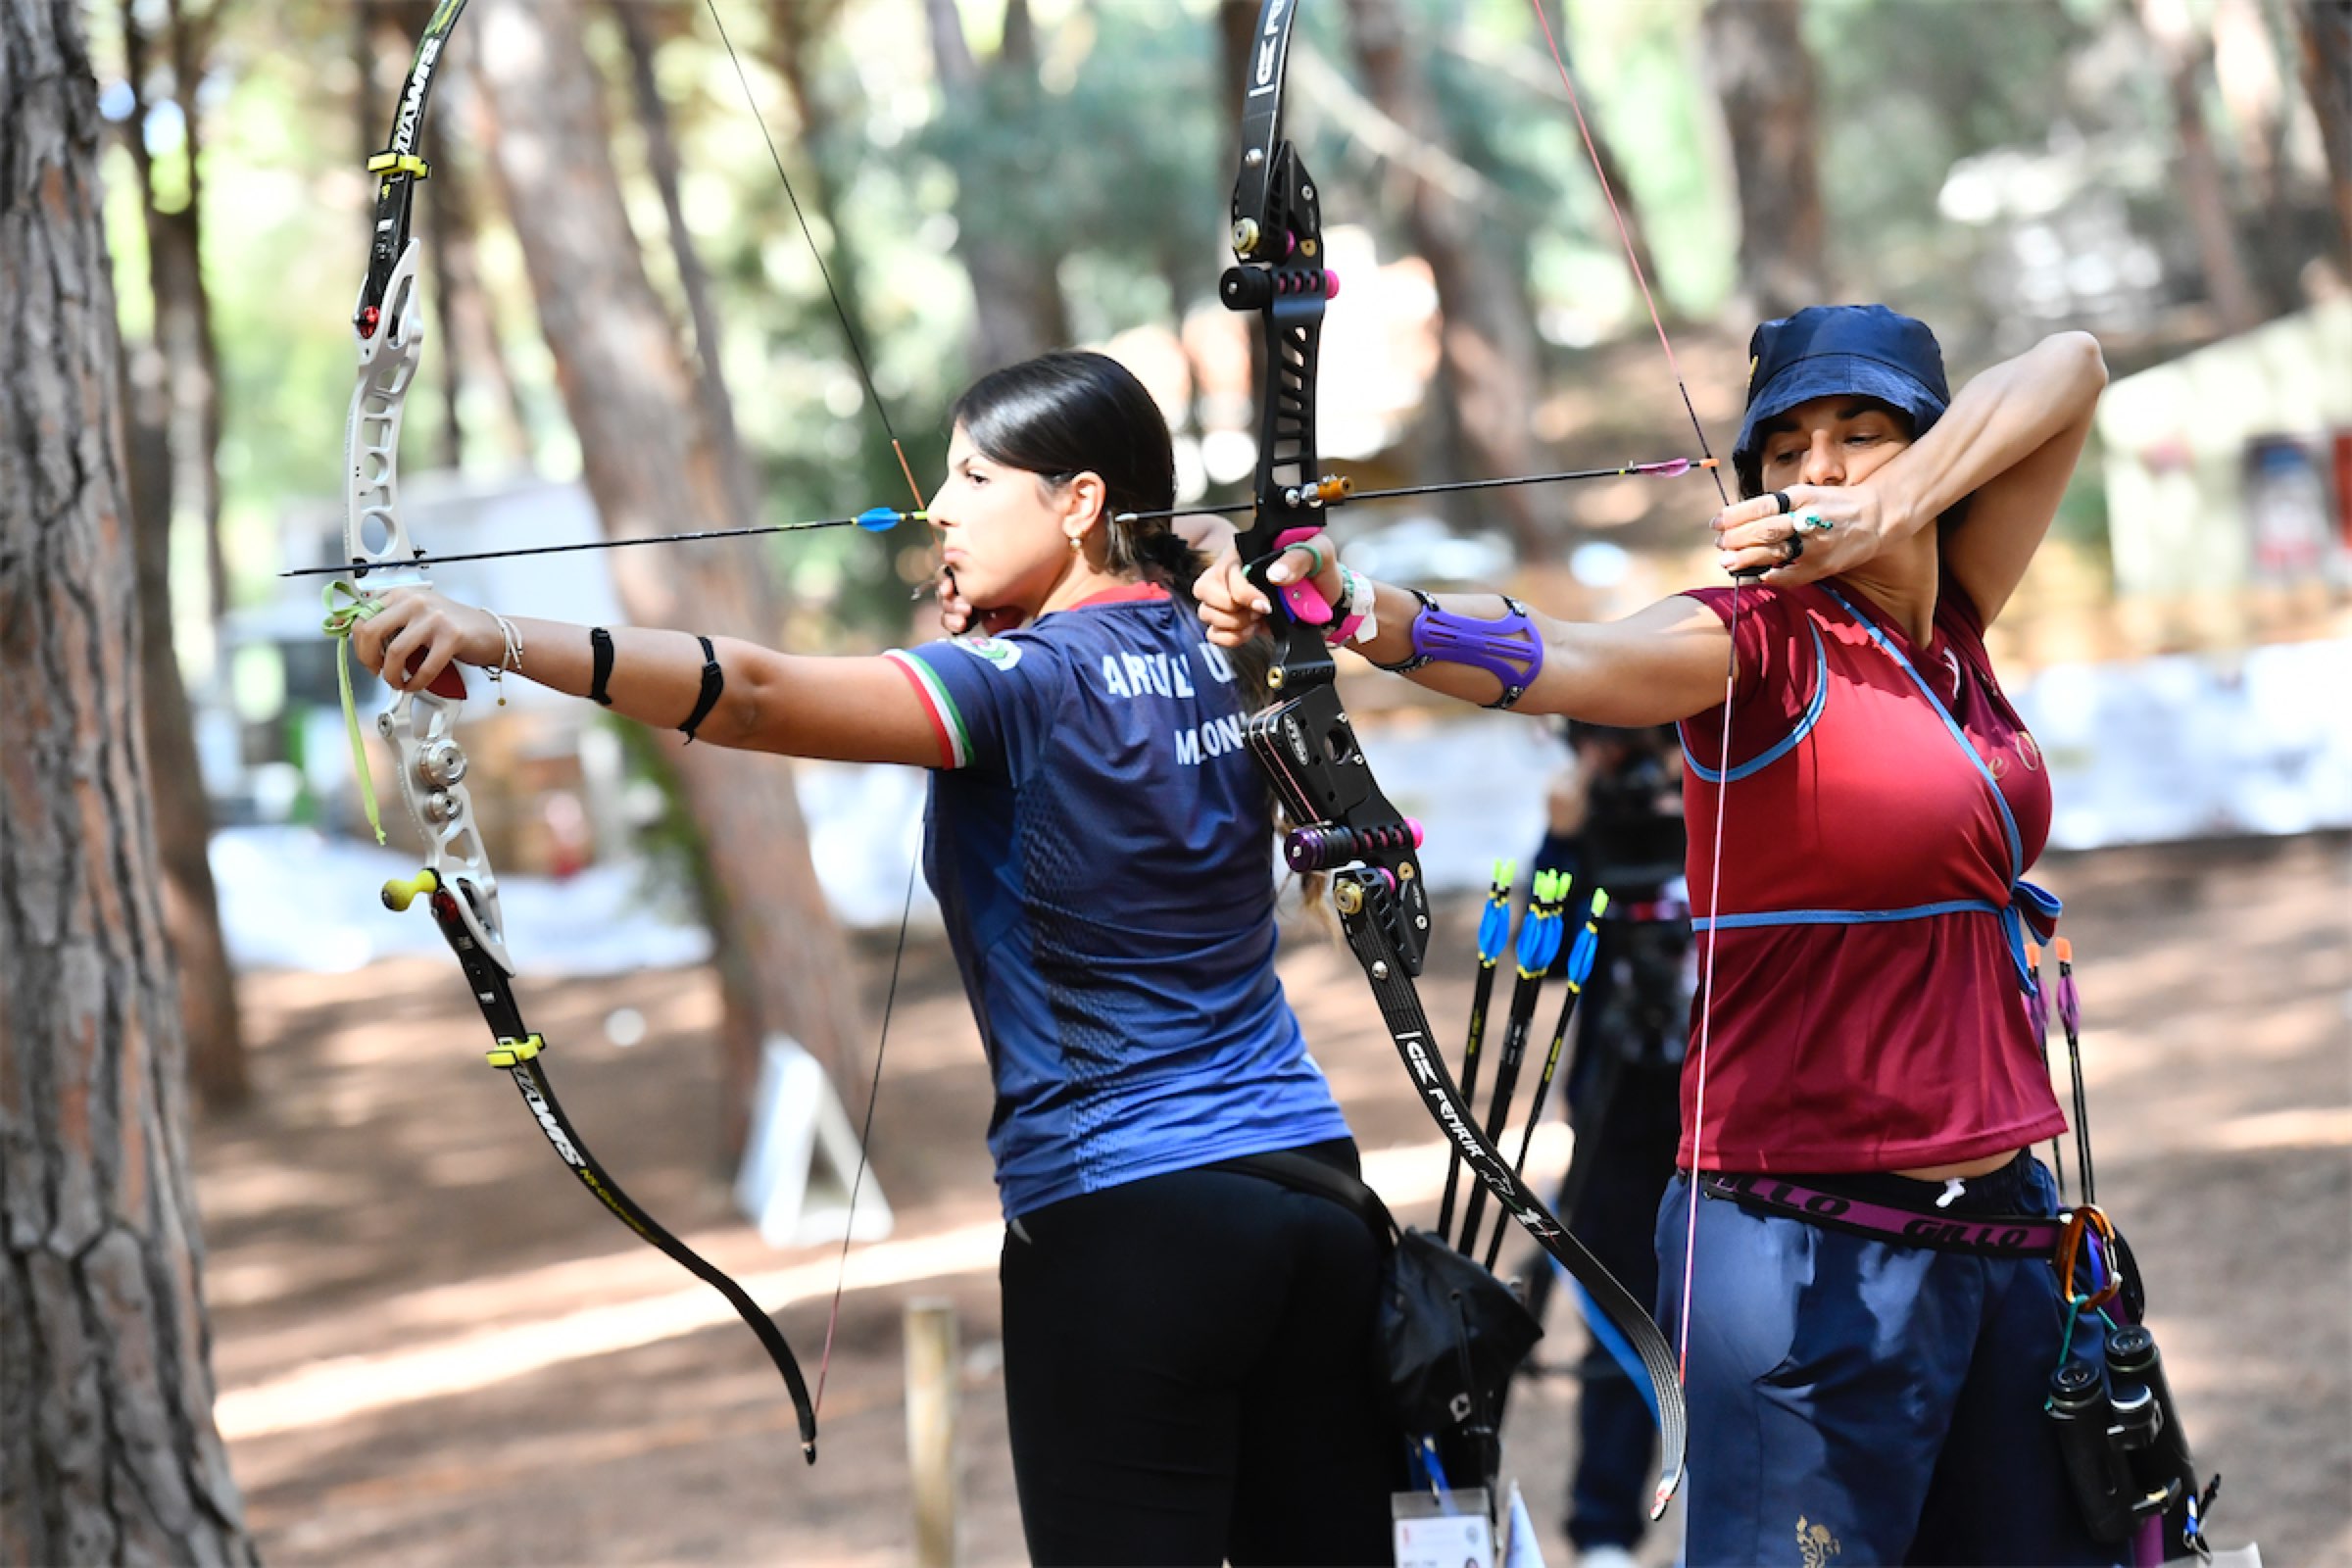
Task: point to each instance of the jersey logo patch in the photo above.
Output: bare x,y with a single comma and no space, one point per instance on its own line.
989,651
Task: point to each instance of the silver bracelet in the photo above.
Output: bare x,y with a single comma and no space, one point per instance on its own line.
509,658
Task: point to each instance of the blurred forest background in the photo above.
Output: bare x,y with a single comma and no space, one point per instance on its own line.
607,233
631,334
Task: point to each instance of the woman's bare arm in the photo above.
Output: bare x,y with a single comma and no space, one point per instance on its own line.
846,708
2008,445
1662,663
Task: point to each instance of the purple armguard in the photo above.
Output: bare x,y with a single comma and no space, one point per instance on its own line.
1510,649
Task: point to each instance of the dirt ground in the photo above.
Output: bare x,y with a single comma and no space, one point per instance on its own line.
434,1348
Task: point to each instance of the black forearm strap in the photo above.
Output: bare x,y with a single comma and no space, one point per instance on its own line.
599,649
714,681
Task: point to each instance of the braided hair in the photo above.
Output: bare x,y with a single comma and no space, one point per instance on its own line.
1075,412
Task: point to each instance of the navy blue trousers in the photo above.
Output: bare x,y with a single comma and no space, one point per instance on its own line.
1853,1402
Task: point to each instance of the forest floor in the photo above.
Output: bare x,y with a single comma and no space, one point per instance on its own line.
431,1348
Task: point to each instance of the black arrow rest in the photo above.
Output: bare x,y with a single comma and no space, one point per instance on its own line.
1303,739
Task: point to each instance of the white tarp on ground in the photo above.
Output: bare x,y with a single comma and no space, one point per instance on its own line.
2188,746
2196,745
292,898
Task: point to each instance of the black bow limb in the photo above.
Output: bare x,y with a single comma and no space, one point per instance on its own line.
1345,825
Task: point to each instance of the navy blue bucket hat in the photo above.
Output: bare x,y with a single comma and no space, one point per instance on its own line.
1840,350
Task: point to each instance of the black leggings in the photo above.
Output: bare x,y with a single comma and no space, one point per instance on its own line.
1189,1371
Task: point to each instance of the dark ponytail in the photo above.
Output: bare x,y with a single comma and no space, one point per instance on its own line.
1075,412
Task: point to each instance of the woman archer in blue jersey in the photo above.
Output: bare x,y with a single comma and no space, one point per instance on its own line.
1189,1344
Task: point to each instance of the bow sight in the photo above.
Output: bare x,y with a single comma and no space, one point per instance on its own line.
1305,741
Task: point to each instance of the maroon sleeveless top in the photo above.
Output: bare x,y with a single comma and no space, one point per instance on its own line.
1881,802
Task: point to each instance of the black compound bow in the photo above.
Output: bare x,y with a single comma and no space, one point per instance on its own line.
1303,739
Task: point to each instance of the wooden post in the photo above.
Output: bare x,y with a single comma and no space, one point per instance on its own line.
931,1398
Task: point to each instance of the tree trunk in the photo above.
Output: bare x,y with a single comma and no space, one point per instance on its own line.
196,370
174,406
653,466
1486,343
662,159
471,353
2187,53
439,198
794,29
108,1450
1019,311
2327,31
1763,75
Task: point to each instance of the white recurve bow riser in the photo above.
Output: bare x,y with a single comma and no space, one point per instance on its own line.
421,727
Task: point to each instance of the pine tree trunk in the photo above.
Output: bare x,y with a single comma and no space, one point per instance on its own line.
467,345
1017,307
2326,27
1487,344
2187,51
1763,75
108,1452
198,373
653,466
172,408
694,281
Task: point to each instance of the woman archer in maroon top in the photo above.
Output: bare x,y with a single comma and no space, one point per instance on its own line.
1862,815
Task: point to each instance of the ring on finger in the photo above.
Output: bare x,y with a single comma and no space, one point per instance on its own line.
1779,500
1317,553
1814,523
1791,547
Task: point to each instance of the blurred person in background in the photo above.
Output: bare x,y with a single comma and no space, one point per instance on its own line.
1189,1355
1615,824
1854,1394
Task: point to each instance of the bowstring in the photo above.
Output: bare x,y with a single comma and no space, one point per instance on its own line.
849,332
1706,1008
873,398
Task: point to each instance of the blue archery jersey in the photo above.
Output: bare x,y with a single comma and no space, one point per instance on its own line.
1100,845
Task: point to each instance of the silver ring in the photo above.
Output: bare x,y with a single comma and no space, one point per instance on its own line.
1814,523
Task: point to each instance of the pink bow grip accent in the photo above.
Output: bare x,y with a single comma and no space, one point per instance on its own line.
1304,600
